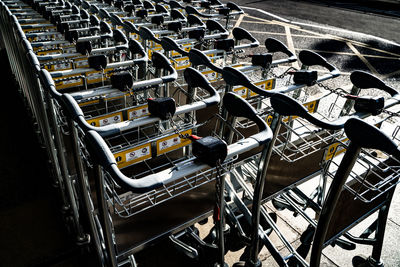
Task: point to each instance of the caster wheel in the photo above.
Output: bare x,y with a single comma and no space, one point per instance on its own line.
362,261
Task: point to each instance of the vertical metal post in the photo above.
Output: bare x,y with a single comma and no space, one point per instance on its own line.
335,190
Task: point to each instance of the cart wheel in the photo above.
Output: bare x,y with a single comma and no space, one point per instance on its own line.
203,222
211,237
239,264
245,264
362,261
280,204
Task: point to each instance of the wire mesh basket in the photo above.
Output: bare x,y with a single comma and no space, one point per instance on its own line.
127,204
299,138
374,174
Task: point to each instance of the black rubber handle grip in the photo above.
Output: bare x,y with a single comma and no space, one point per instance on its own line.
169,44
198,58
273,45
310,58
368,136
363,80
288,106
175,4
147,34
242,34
130,27
102,155
48,84
194,79
238,107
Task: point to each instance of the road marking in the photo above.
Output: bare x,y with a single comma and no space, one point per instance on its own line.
237,24
291,45
284,34
363,59
285,21
318,26
352,41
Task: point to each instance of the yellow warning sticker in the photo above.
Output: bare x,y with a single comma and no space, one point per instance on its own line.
72,81
211,75
333,149
242,91
133,155
265,85
49,52
181,63
172,142
138,112
106,120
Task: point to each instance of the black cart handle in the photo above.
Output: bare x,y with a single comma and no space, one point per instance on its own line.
310,58
368,136
287,106
364,80
273,45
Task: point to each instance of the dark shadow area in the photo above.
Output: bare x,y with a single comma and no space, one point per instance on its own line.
32,228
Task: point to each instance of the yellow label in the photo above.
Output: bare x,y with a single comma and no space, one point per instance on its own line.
242,91
333,150
58,66
186,47
49,52
172,142
311,106
46,28
138,112
151,51
106,120
265,85
181,63
133,155
269,119
81,63
88,103
97,76
104,99
74,81
211,75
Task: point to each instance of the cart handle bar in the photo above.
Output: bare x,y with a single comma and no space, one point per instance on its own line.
364,80
196,80
103,156
368,136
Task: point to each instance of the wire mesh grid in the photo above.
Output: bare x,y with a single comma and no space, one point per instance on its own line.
374,174
298,138
126,204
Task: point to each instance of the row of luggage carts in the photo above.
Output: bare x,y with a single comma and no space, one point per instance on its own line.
159,116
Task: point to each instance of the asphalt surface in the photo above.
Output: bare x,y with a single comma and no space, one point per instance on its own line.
358,21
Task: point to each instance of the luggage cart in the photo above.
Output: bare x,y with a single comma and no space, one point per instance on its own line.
187,167
287,106
362,184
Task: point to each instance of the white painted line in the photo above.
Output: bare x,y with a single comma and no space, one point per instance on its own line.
291,45
363,59
319,26
237,24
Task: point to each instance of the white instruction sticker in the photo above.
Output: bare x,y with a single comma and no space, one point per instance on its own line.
168,143
110,120
137,113
138,153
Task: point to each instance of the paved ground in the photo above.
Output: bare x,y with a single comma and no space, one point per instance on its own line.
298,25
